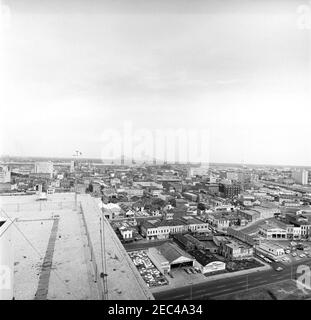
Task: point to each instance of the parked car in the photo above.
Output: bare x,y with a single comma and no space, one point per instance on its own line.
278,269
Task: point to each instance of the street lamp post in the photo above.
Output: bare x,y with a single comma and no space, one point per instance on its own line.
190,290
247,282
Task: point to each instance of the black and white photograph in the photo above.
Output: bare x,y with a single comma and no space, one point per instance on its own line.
155,150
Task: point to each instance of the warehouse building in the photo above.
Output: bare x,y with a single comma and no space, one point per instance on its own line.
161,263
175,256
207,262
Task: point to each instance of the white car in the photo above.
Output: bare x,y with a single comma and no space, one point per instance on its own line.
302,255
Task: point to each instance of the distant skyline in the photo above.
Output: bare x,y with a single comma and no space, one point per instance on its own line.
158,163
239,69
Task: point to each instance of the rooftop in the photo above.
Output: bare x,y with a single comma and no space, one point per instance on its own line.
41,237
53,246
203,257
274,224
172,252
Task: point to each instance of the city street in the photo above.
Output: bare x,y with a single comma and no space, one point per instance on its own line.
209,290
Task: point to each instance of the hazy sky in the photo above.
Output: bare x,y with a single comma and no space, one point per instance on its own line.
239,69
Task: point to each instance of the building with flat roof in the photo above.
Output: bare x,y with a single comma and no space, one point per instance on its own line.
272,248
300,176
229,190
44,167
236,250
69,234
275,230
250,215
5,174
6,259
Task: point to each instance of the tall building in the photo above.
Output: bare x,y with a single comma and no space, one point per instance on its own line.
44,167
5,174
229,190
300,176
198,171
72,166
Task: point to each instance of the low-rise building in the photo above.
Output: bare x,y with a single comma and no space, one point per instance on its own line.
250,215
218,220
275,230
161,263
126,233
271,248
149,229
233,249
175,255
207,262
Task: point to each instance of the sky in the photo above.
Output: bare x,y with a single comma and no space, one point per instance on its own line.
239,71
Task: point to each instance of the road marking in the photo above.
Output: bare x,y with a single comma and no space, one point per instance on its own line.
226,290
181,296
262,282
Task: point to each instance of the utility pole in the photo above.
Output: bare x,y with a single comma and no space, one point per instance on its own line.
78,153
103,274
190,290
247,282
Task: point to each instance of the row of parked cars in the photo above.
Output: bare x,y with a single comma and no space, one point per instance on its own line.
151,275
192,270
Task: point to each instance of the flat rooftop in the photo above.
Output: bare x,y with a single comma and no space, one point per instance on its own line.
50,252
52,256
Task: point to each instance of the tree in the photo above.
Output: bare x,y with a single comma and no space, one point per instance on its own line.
172,202
158,202
201,206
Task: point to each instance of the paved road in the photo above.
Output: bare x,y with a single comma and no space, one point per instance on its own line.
209,290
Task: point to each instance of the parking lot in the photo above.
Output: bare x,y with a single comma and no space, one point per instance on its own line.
294,251
147,269
180,277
